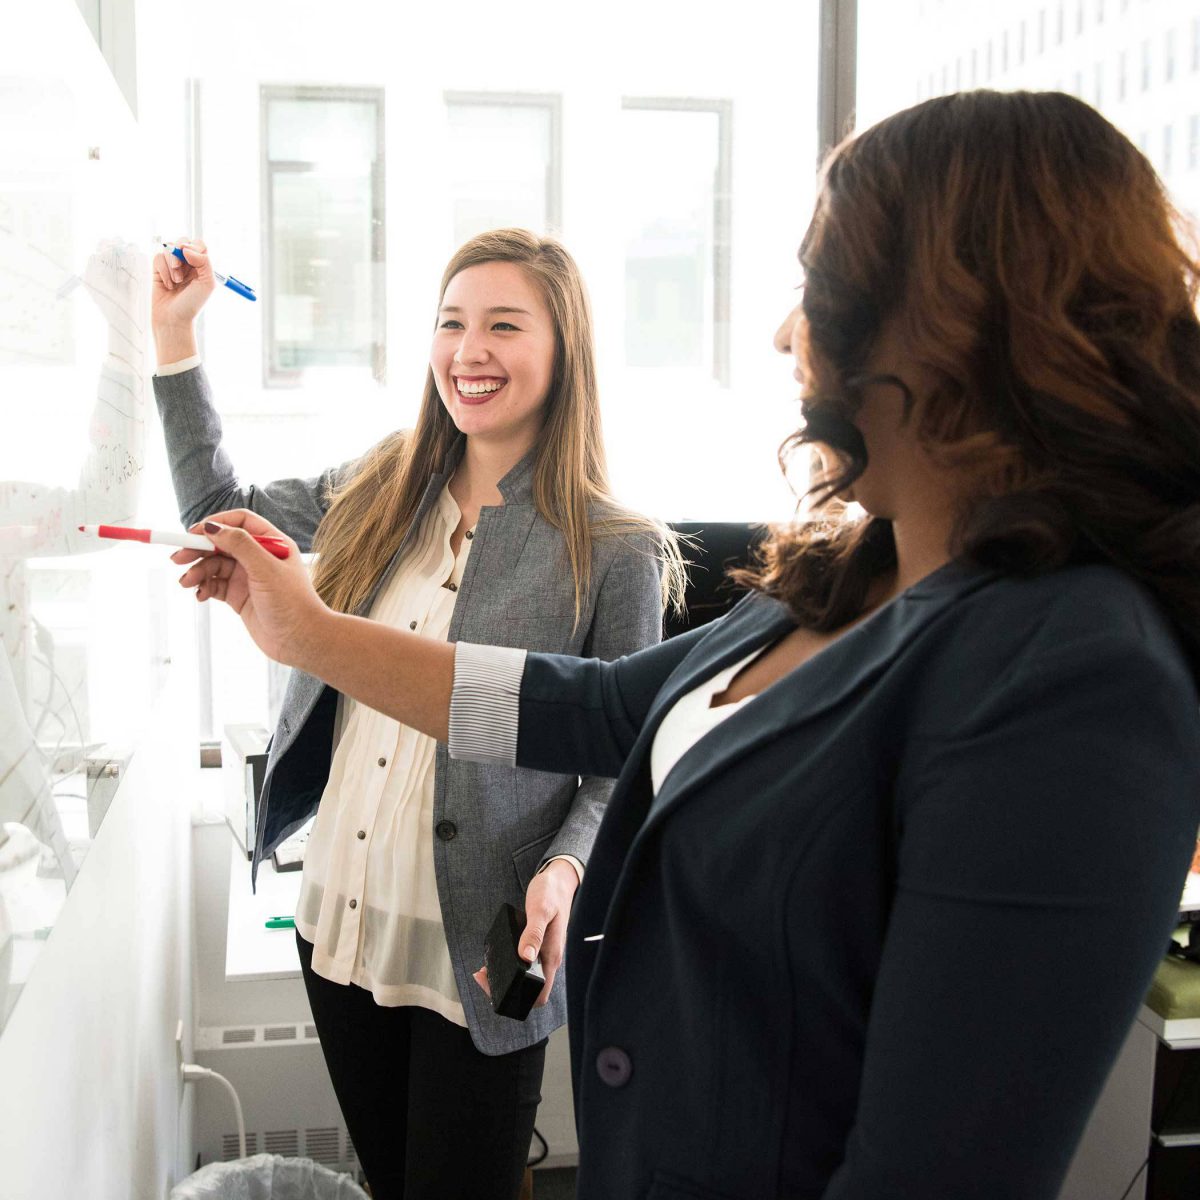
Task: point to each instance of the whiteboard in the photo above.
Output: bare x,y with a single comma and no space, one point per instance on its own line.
81,634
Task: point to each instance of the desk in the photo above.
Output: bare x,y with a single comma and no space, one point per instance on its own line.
1173,1166
253,952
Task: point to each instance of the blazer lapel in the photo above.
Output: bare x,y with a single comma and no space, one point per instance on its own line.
850,664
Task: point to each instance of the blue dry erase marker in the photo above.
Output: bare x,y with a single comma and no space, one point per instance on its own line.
234,285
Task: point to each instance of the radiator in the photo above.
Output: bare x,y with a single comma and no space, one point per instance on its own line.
287,1099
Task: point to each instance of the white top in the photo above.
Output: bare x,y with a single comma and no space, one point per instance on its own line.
691,717
369,901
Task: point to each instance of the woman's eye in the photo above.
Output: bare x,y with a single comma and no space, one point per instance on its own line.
451,324
505,326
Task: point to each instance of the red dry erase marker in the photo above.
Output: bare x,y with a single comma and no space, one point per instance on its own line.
188,541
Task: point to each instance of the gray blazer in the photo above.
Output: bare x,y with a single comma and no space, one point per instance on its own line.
493,826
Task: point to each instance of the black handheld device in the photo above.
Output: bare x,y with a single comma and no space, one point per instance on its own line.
515,984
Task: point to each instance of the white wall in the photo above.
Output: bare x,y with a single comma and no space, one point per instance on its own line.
90,1103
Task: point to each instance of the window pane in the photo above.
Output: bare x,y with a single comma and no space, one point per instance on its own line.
1149,51
670,239
501,158
324,209
322,298
332,132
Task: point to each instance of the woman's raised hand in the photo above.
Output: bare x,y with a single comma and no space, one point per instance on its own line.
179,291
274,597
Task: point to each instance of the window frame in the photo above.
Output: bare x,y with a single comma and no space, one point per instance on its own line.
722,215
274,377
552,101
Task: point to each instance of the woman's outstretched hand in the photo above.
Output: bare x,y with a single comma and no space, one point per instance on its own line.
274,597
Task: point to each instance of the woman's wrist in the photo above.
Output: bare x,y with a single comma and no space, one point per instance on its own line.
173,343
315,641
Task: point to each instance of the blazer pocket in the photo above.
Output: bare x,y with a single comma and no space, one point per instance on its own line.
667,1186
527,858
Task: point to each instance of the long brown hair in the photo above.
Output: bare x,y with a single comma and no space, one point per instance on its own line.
370,513
1029,256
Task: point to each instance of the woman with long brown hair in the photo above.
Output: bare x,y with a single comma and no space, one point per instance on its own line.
490,521
896,845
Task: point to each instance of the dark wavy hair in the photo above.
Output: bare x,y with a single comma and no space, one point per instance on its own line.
1030,258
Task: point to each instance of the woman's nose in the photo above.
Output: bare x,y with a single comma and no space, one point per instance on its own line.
785,334
471,349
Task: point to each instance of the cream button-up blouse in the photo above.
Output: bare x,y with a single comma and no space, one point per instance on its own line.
368,901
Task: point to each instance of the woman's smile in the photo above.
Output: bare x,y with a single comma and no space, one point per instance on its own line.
478,389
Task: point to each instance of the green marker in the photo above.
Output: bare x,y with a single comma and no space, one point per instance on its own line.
281,923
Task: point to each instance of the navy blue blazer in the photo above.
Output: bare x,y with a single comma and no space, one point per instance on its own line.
882,933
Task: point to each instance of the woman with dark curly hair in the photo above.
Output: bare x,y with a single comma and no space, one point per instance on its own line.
895,846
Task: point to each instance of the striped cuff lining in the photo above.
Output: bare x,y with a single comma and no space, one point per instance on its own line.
484,703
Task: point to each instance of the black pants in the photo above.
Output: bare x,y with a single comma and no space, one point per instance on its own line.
430,1116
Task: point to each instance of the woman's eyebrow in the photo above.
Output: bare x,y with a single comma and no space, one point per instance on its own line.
500,308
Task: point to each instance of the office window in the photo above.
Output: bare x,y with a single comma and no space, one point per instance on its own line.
1041,41
505,160
1004,51
974,65
677,233
1058,25
1099,12
1139,96
323,193
1021,45
1078,17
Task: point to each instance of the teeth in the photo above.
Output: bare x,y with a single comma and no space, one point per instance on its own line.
477,389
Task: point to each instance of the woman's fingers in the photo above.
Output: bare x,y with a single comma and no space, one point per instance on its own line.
163,271
209,570
194,255
481,978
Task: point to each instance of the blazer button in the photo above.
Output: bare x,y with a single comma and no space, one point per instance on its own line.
446,830
452,586
614,1066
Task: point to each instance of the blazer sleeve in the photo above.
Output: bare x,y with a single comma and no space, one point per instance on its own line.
556,712
627,618
584,715
1042,850
204,478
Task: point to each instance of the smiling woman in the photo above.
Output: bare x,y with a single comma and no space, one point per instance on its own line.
495,335
490,521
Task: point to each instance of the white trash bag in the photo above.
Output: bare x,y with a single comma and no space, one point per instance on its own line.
267,1177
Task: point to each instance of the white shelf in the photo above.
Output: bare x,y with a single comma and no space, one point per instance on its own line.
252,951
